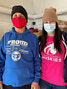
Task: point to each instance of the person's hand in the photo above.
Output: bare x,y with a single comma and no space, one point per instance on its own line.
34,85
1,85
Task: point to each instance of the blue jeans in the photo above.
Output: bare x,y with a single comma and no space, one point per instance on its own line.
45,85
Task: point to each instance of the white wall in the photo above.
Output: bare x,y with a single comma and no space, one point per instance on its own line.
5,10
4,24
60,5
28,4
35,9
40,5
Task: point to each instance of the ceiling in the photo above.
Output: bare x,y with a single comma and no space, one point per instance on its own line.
35,6
28,4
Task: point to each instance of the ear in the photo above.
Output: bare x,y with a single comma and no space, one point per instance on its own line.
53,8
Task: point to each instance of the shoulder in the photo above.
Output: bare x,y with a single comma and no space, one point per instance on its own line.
5,36
31,35
34,38
65,36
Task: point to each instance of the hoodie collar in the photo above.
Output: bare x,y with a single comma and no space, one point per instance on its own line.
27,31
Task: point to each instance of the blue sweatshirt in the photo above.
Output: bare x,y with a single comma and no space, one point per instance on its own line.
19,58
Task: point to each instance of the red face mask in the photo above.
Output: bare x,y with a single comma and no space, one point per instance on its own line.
19,22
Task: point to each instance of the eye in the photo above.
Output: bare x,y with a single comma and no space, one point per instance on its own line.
46,22
52,22
21,16
14,16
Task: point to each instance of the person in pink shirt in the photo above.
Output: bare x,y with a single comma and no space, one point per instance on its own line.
52,51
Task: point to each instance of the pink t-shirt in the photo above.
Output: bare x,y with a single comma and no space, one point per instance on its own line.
52,67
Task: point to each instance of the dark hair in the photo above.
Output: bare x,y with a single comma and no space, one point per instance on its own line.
57,39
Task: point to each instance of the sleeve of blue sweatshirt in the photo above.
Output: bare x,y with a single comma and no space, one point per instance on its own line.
37,62
2,58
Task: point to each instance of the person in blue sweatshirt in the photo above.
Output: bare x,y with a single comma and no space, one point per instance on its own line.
19,54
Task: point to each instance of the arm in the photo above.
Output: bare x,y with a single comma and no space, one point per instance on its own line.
65,36
2,61
37,63
65,61
1,85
